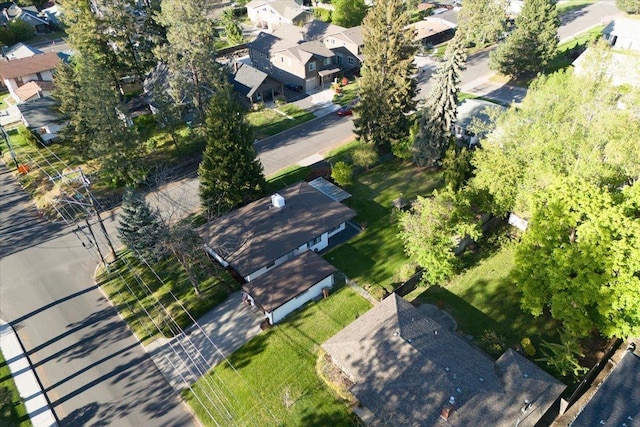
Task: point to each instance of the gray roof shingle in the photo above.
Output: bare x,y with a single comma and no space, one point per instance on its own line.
406,367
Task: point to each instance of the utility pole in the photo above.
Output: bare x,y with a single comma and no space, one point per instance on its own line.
85,184
93,236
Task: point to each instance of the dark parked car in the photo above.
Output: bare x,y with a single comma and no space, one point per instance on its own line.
345,111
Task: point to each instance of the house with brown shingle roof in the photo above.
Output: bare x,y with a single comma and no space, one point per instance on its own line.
409,370
272,243
18,72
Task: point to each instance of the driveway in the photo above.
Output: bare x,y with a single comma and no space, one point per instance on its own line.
216,335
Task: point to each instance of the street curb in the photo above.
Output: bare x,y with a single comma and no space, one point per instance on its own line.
26,381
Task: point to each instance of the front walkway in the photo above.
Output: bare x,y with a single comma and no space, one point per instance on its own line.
216,335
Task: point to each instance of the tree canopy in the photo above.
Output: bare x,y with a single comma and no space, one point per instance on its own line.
629,6
387,85
434,136
230,173
348,13
567,125
139,227
482,21
532,44
580,257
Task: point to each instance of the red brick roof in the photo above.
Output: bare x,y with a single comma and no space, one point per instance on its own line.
27,66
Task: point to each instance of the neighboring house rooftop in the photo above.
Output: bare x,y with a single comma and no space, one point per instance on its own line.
288,280
27,66
32,88
617,400
247,80
259,233
311,30
623,27
40,112
20,50
330,190
287,8
407,369
427,28
351,35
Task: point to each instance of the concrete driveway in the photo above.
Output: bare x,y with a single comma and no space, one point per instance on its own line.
185,358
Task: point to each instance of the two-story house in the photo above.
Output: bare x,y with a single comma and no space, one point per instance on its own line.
305,58
19,72
273,13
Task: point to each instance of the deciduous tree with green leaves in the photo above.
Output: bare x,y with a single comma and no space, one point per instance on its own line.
387,85
348,13
532,44
629,6
580,257
434,136
230,173
482,22
567,125
433,229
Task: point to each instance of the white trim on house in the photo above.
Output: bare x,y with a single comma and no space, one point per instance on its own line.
299,300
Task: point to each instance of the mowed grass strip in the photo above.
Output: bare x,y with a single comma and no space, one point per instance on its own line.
134,290
12,410
273,380
374,257
268,122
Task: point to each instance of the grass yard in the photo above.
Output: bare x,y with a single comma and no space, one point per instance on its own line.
569,50
274,382
565,6
126,284
12,410
484,298
349,93
268,122
374,257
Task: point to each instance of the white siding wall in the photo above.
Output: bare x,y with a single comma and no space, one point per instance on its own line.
316,290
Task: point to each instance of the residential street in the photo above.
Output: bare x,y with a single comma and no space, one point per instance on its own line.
93,370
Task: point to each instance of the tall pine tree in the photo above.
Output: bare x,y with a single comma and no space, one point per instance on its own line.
532,44
387,85
434,137
230,174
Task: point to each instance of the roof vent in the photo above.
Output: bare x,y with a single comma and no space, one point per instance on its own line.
481,379
447,369
452,400
277,201
525,375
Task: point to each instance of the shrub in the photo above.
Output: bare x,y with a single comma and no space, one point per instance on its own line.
528,347
365,156
324,172
495,343
322,14
342,173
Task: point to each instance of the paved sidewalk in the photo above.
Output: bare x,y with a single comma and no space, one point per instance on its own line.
218,333
25,379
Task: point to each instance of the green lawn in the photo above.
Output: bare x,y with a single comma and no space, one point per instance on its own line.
274,382
268,122
569,50
570,5
123,284
374,257
3,103
349,93
12,410
485,298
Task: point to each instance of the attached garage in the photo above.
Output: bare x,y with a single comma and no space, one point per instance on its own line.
290,285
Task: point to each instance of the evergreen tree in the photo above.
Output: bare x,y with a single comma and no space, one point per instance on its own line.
139,228
532,44
230,174
482,21
190,51
629,6
387,86
348,13
231,28
434,136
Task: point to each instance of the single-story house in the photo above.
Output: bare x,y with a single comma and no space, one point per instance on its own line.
622,68
623,33
255,85
262,235
18,72
432,30
290,285
19,51
41,117
616,402
409,370
273,13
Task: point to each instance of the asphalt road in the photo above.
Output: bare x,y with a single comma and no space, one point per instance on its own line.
93,371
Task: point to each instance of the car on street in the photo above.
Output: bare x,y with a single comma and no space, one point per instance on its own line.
345,111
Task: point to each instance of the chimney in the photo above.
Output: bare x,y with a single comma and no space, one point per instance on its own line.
277,201
448,409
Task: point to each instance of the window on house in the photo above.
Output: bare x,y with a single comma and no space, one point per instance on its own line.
327,61
315,241
351,61
339,58
271,264
312,66
333,41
